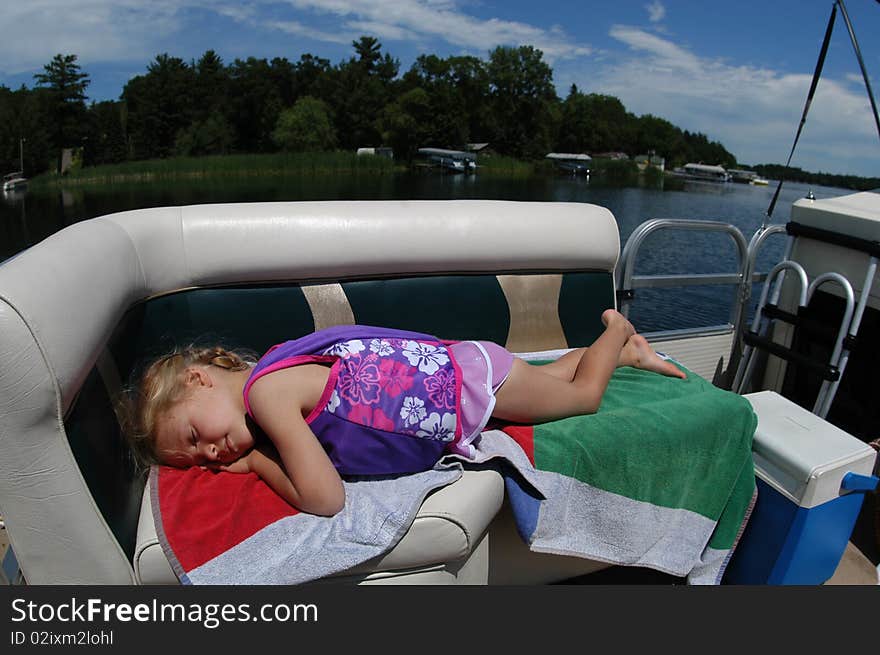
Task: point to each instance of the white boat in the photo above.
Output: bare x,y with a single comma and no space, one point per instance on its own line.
747,177
54,387
77,514
702,173
14,181
382,151
577,163
459,161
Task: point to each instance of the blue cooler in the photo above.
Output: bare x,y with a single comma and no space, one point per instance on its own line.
811,479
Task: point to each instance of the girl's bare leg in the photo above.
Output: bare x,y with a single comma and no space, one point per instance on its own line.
530,395
574,383
564,367
637,352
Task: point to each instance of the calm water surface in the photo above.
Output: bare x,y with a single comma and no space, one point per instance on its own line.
26,219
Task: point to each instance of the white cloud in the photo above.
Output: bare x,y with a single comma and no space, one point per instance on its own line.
298,29
752,111
128,30
656,11
382,30
95,30
442,19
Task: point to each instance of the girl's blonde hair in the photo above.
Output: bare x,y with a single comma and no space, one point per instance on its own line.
161,386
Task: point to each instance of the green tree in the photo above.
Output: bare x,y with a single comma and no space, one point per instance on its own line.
66,85
255,104
362,87
407,121
522,101
312,77
305,127
457,91
210,136
159,105
210,92
659,135
105,133
24,115
471,79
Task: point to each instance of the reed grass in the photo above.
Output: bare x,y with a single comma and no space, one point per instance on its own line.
248,165
499,164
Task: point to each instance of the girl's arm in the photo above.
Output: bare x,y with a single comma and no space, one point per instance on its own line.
304,476
265,462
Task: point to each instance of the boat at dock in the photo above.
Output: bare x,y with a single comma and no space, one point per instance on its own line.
15,181
458,161
742,176
702,173
575,163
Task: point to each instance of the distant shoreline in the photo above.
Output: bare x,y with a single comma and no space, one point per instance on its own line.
334,162
308,163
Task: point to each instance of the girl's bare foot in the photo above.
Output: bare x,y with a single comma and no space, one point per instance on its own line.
612,316
638,353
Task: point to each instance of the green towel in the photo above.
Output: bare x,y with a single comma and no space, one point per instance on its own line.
661,476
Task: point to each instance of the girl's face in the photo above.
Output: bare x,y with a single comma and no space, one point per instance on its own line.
207,427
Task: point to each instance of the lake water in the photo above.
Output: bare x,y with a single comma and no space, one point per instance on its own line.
26,219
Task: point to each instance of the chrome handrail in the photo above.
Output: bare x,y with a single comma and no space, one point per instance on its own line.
759,323
627,281
829,388
758,238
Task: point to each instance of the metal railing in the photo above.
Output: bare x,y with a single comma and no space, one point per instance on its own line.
627,281
743,276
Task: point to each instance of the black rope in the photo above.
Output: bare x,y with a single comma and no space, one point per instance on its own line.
852,37
816,74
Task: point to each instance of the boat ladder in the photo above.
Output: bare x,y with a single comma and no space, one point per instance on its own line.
768,314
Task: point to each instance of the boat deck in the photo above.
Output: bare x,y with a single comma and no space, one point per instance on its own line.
854,569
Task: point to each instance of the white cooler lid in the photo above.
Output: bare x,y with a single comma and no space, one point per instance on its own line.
855,214
801,455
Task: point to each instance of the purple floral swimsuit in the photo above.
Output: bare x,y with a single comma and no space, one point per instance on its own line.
394,399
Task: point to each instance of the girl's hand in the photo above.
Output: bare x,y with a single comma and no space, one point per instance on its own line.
244,464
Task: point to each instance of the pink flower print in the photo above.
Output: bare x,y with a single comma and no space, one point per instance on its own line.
374,417
358,381
381,421
395,378
441,388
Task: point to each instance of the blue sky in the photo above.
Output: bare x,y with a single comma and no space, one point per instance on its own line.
736,71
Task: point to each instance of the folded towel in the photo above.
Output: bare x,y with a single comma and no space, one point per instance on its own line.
228,528
660,477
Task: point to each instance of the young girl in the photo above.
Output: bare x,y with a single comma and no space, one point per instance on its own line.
361,400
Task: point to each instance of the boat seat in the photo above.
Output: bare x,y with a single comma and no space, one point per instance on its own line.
80,311
439,542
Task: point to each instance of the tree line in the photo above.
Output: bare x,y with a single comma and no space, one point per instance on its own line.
778,171
208,107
